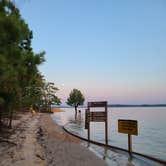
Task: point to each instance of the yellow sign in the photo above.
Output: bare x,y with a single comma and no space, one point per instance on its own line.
128,127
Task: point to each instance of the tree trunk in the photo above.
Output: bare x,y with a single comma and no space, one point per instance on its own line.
50,108
20,98
0,115
10,119
75,112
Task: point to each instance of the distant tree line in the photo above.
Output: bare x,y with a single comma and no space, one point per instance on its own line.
21,83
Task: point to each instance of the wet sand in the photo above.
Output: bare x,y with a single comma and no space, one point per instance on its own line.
63,149
37,140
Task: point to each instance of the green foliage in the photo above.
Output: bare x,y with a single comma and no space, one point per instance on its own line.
48,96
75,98
21,83
13,31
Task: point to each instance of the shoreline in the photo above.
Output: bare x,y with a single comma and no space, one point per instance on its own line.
67,149
38,140
99,148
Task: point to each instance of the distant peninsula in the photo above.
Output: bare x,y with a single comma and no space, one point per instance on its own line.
136,105
117,105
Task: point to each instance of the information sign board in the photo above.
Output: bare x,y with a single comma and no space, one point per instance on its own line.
98,116
97,104
128,127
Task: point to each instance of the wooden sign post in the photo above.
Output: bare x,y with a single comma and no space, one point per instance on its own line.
87,124
96,117
129,127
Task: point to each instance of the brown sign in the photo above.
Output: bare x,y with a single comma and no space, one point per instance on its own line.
97,114
128,127
94,117
98,119
97,104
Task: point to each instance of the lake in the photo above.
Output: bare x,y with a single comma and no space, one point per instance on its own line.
151,139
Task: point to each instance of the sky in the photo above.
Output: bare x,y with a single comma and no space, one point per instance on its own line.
113,50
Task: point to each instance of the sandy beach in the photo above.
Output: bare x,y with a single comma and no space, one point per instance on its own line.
56,110
37,140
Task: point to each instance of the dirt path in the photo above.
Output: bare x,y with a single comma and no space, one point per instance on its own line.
38,141
27,151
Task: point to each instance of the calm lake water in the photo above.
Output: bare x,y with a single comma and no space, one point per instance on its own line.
151,139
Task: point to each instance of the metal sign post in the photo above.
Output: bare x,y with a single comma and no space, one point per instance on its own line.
129,127
96,117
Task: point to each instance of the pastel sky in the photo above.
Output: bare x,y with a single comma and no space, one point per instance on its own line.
112,50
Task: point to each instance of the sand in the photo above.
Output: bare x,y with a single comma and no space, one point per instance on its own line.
25,148
38,141
56,110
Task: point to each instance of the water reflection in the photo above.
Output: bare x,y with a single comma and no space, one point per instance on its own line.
152,131
105,153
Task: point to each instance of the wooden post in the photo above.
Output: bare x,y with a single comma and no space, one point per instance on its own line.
88,118
130,144
106,126
89,132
